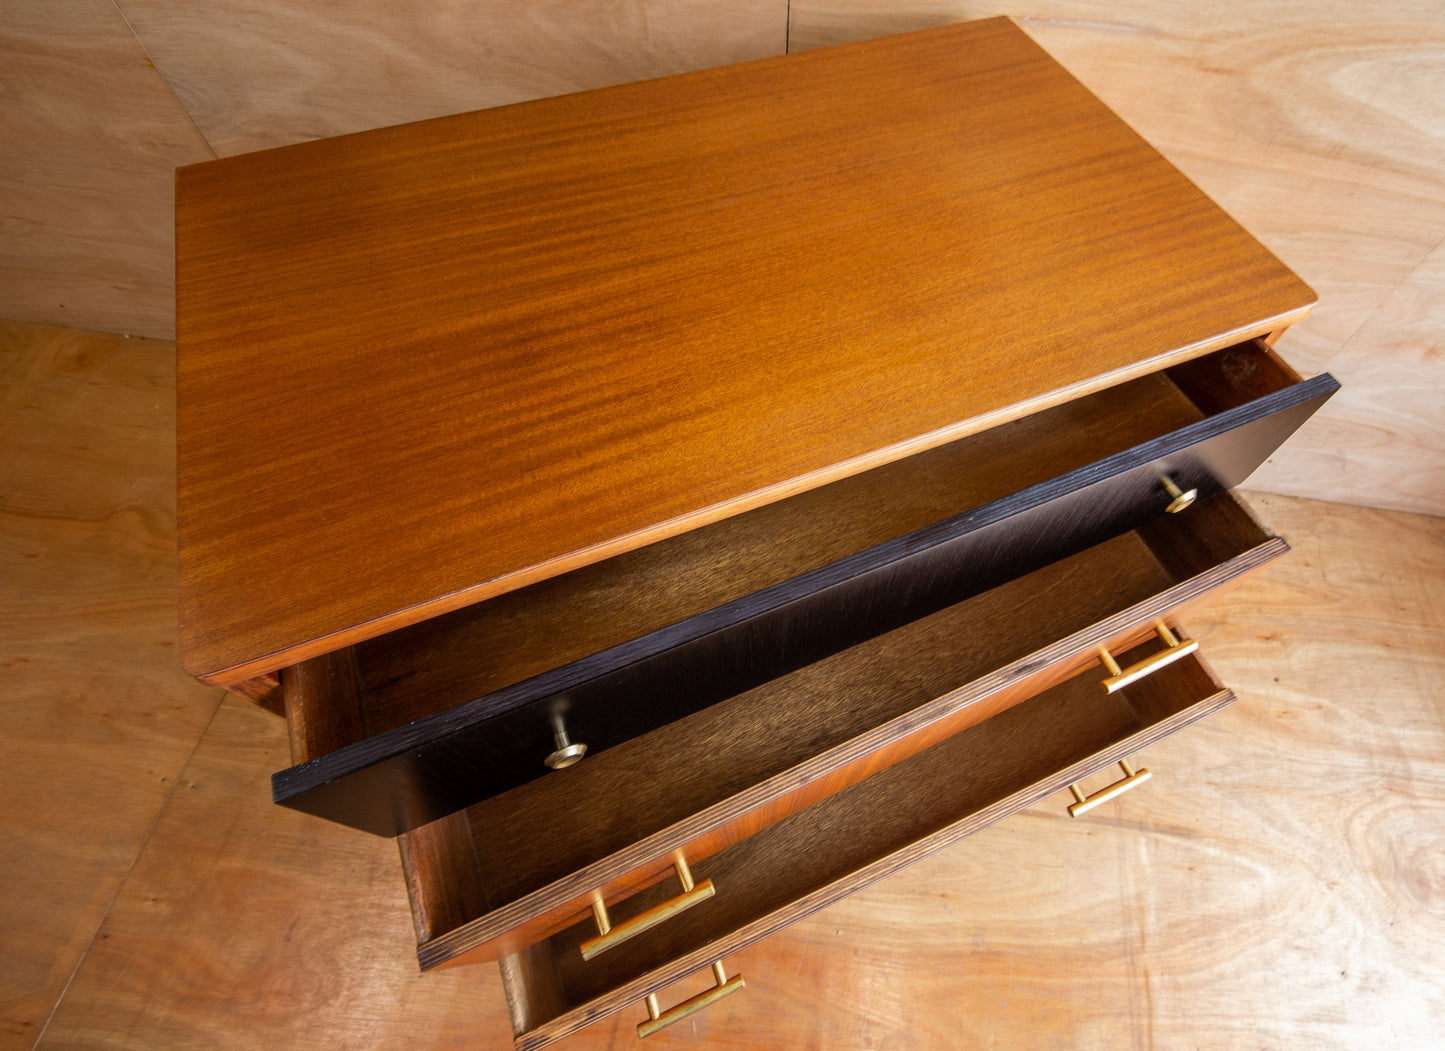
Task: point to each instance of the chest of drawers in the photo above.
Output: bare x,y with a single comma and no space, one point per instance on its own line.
668,508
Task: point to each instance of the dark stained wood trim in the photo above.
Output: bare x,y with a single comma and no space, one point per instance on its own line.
519,922
417,773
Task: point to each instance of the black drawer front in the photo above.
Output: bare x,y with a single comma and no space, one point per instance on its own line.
406,777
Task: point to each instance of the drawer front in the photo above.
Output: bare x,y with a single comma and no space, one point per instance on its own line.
414,774
537,856
810,860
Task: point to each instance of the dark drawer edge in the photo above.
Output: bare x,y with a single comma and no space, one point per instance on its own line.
389,783
446,947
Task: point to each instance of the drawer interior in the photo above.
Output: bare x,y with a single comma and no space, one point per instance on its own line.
856,836
540,848
393,778
411,673
476,651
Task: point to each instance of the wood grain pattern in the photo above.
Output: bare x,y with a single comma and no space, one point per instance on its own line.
203,943
472,943
92,135
267,73
1315,144
1319,127
265,690
1383,444
866,832
413,673
1215,907
435,860
425,264
322,705
706,782
1227,378
466,752
409,673
1230,903
96,718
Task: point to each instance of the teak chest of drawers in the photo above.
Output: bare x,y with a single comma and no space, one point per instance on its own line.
792,443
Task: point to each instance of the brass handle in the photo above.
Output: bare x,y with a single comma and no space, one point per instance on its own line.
658,1019
1121,677
1178,499
1087,803
608,935
568,752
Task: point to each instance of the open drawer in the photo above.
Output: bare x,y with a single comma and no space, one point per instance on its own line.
614,651
520,867
819,855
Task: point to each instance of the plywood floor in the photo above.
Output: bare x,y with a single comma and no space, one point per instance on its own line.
1279,884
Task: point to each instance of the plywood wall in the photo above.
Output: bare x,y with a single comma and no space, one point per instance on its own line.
259,73
101,100
1320,125
89,138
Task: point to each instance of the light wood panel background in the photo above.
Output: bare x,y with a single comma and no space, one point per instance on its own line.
1279,884
1320,125
96,724
260,73
89,138
1321,128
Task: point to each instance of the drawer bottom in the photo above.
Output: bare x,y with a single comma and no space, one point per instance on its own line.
862,834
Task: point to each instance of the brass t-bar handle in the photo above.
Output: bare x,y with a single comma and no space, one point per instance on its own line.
1121,677
660,1019
1085,803
608,935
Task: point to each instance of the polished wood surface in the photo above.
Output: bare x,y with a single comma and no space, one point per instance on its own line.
462,748
407,674
541,335
1315,125
103,100
322,705
1275,885
475,651
1318,127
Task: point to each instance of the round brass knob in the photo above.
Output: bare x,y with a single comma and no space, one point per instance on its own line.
568,752
1179,500
566,756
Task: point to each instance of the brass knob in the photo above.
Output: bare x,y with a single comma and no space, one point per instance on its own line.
567,752
1178,499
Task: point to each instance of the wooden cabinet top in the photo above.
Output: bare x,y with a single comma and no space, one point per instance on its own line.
427,364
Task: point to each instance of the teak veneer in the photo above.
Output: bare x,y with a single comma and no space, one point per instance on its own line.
675,650
814,440
545,334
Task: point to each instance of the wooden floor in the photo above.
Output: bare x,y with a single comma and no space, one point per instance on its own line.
1279,884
